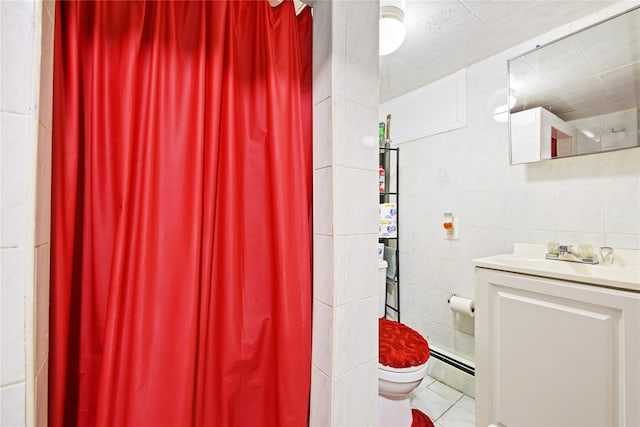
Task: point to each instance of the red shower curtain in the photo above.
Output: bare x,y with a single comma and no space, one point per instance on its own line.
181,214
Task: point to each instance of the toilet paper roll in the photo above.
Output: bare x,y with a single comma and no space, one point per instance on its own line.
462,305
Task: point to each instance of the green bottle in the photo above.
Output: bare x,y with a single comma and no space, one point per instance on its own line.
381,134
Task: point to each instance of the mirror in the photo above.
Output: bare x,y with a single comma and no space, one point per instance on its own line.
579,94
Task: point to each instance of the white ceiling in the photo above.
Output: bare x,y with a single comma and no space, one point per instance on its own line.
447,35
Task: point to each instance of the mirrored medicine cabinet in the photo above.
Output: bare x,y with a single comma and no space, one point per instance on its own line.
579,94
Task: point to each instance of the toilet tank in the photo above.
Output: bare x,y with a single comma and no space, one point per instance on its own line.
381,281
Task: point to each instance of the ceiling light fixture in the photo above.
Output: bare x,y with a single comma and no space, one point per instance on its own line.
392,31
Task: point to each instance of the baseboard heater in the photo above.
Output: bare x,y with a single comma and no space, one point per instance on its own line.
451,360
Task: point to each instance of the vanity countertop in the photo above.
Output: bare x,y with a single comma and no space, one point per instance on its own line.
526,258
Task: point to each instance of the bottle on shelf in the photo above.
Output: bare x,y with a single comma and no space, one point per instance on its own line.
387,142
381,179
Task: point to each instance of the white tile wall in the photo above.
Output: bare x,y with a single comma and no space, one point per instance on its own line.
17,38
323,277
338,54
361,68
322,132
322,54
26,46
12,405
355,396
354,279
344,372
321,398
620,216
323,336
356,335
594,199
353,203
356,147
18,162
13,274
323,201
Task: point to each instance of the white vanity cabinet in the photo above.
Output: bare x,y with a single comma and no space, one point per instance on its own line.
553,352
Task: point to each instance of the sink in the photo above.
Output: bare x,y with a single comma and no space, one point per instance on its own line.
624,273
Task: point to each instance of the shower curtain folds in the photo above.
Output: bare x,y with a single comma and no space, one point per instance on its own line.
181,214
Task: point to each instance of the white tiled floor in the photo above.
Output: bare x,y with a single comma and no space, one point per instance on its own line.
445,406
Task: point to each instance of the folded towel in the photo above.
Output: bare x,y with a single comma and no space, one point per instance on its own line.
390,255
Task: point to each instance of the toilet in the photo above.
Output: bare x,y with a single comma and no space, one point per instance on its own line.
402,364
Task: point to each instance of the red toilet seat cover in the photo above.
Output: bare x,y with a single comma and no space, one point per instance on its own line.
399,346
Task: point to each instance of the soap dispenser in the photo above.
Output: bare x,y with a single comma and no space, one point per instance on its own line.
450,226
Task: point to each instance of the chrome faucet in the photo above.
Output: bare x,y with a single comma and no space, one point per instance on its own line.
583,253
565,250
